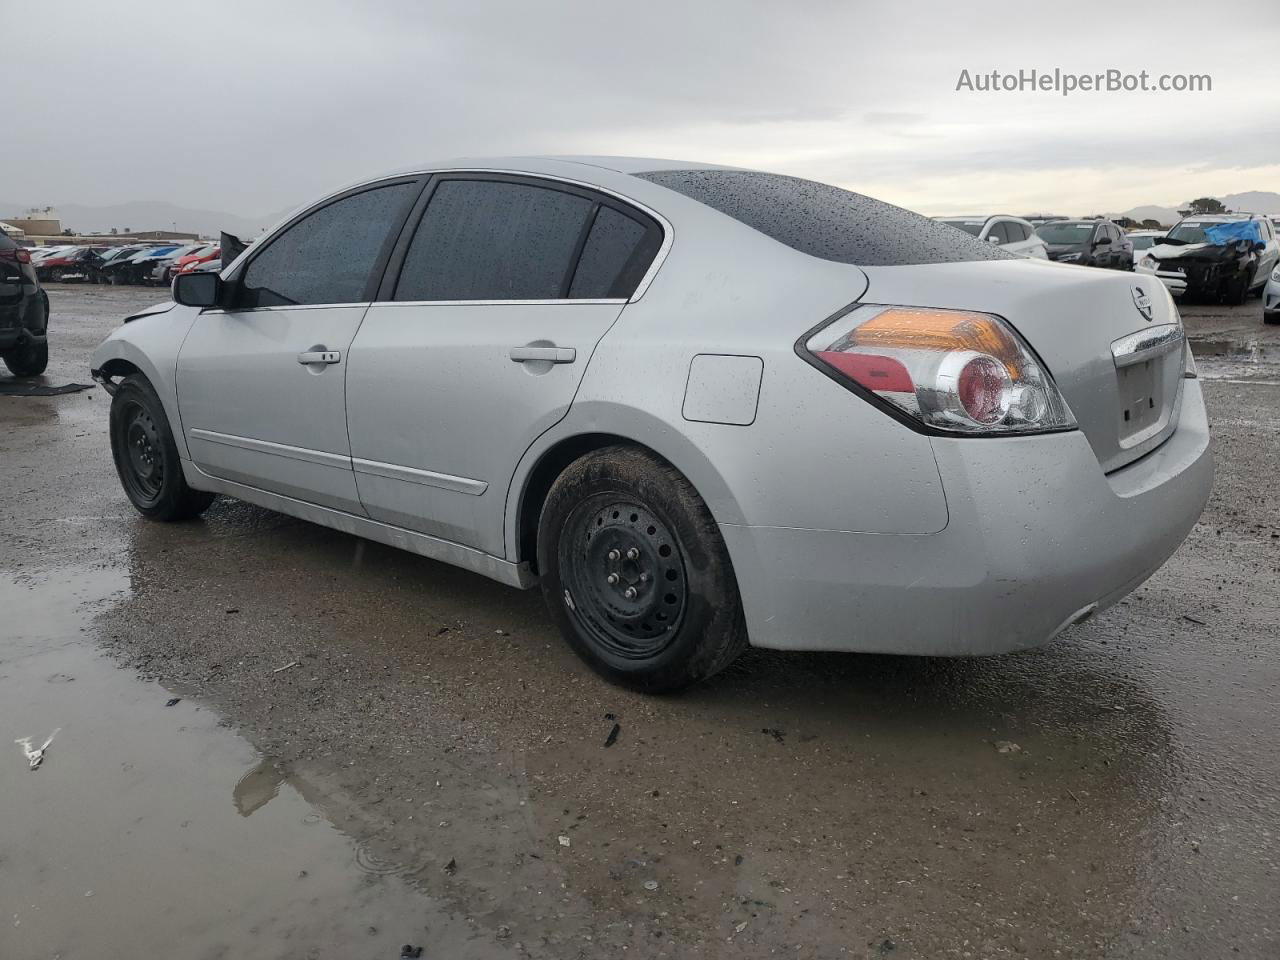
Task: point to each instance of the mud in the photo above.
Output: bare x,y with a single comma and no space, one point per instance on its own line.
430,740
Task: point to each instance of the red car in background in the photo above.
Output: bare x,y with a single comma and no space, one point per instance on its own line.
75,263
192,260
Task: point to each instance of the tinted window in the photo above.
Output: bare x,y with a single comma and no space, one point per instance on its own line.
326,257
825,221
1004,230
617,254
493,240
971,227
1018,231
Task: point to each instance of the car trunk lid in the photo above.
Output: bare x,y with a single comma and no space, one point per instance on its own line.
1112,341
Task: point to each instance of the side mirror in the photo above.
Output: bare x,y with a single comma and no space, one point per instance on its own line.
1259,246
197,289
1102,240
993,239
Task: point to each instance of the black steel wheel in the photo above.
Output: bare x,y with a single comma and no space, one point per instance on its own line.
146,456
624,571
635,573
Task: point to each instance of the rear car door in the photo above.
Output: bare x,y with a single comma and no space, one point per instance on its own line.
490,312
261,383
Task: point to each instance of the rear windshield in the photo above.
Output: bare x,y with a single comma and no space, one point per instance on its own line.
825,221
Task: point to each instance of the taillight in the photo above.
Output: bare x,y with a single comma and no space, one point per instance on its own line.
21,255
953,370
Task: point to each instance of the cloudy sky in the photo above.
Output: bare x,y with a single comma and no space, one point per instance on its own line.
253,107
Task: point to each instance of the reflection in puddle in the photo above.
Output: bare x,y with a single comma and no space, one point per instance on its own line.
257,788
124,834
1230,359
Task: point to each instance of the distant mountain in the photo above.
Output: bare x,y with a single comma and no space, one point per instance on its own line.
1254,201
150,215
1167,216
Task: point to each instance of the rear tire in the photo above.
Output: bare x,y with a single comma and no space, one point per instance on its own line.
28,360
635,573
147,458
1272,318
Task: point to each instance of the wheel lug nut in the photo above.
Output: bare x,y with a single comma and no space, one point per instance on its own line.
611,578
644,578
614,555
629,593
633,553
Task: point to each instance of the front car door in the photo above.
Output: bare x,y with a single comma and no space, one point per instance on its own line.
261,382
485,324
1269,256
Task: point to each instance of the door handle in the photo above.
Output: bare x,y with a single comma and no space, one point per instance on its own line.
319,356
547,354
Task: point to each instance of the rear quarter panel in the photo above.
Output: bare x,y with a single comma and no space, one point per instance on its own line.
815,456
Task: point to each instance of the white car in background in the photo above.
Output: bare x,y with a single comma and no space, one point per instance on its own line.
1011,233
1144,240
1271,298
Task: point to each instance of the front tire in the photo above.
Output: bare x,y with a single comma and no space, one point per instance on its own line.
1272,318
147,458
635,573
28,360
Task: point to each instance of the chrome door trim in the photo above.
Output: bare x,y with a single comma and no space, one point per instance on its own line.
428,478
1145,344
273,449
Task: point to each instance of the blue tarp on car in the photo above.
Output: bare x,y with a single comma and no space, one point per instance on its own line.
1221,234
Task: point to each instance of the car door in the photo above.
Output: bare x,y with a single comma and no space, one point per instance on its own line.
261,389
1099,247
479,340
1269,256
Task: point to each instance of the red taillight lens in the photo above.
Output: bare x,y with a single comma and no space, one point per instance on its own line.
22,256
983,386
953,370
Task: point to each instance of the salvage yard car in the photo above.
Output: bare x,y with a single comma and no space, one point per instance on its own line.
699,407
1221,257
1012,233
24,313
1271,299
1089,243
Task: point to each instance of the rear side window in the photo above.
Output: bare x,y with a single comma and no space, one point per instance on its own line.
1017,231
825,221
328,256
1005,231
494,240
617,253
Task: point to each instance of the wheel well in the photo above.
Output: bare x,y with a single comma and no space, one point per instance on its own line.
115,367
543,476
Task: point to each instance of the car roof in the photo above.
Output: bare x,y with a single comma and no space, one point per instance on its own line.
1224,217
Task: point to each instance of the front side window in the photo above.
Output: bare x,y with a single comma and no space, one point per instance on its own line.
494,240
329,255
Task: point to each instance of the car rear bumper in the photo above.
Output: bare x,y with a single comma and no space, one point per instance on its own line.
1037,538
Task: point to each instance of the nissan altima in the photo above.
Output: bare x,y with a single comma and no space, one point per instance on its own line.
698,407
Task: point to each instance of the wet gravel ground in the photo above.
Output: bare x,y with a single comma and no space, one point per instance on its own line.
1110,795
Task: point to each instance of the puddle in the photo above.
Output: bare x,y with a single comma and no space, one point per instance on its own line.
1249,360
156,827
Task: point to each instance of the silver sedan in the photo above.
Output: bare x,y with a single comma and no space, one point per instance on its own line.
698,407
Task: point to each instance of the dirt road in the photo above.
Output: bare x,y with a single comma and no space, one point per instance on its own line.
371,749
